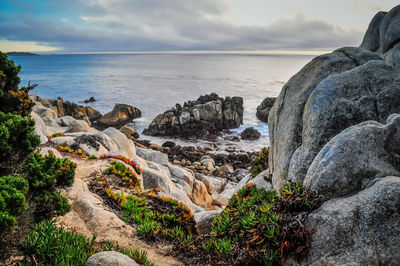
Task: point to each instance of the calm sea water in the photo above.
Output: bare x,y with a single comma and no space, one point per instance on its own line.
156,82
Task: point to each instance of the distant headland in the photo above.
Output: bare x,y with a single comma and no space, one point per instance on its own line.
21,54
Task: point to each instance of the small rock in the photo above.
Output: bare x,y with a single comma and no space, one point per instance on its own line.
169,144
78,126
90,100
121,115
226,169
110,258
250,133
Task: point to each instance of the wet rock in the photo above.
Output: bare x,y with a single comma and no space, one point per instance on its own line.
264,108
90,100
121,115
250,133
168,144
203,118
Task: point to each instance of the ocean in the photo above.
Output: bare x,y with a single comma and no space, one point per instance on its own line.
156,82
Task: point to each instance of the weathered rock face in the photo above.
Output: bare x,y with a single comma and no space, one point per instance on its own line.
286,122
207,116
367,92
264,108
119,116
356,158
335,127
383,34
363,229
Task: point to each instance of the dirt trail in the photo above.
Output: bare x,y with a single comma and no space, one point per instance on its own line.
90,216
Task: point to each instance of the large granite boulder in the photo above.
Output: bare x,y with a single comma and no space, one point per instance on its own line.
367,92
205,117
356,158
285,123
121,115
264,108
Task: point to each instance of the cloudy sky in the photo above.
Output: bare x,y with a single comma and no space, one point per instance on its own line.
184,25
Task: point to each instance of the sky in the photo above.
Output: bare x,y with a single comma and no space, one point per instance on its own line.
91,26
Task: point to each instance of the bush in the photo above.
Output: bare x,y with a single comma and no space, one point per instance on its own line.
260,162
13,99
48,172
12,200
17,139
45,174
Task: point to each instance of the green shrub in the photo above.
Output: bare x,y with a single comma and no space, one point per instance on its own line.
45,174
17,139
260,162
12,200
50,245
13,99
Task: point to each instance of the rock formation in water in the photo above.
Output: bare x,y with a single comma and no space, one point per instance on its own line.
264,108
205,117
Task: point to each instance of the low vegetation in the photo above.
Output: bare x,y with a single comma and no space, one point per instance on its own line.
263,227
260,162
48,245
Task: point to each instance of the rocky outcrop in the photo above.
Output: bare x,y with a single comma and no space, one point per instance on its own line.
67,108
121,115
285,123
264,108
205,117
335,128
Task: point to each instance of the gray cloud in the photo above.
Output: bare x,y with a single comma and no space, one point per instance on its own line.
124,25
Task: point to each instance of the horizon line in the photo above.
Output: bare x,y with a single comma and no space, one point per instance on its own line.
255,52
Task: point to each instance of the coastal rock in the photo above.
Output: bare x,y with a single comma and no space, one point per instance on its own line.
125,145
78,126
110,258
48,150
285,123
250,133
200,195
363,229
154,156
262,180
371,150
40,128
67,108
264,108
153,178
205,117
367,92
204,220
121,115
90,100
129,132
